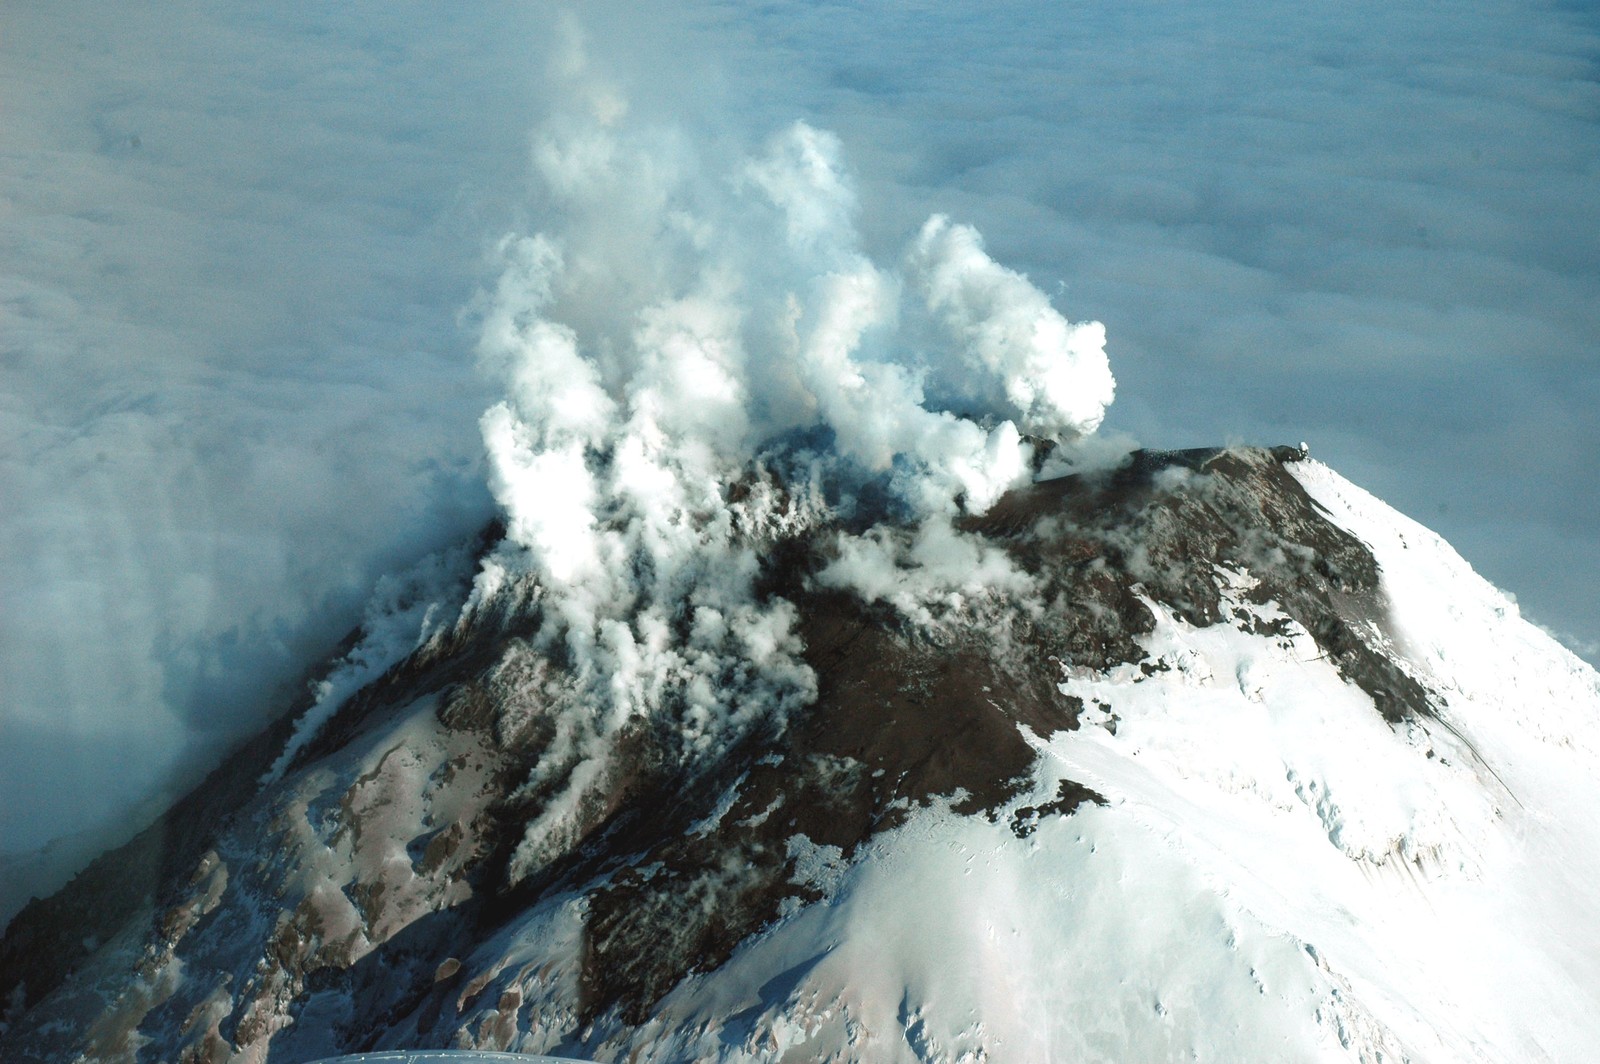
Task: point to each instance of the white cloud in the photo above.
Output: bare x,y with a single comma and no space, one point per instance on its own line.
233,248
654,355
1365,225
1054,375
232,253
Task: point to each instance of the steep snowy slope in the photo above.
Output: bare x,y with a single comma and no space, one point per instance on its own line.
1238,764
831,692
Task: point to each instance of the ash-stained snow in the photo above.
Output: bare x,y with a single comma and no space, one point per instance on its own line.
443,1056
1439,873
1158,812
792,719
1279,873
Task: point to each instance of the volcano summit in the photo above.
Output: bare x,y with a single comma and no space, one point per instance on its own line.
830,691
1258,769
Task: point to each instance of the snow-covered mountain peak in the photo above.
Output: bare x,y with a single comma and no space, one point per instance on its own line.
1240,765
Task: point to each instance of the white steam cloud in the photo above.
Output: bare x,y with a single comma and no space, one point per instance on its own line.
1054,375
235,245
696,324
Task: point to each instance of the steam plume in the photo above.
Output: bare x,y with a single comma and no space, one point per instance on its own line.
692,324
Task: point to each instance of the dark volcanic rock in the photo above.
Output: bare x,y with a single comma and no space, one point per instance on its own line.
354,886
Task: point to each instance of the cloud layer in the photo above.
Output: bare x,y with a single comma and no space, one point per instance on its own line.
232,255
234,248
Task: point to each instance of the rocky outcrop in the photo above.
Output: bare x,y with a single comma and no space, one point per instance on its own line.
347,905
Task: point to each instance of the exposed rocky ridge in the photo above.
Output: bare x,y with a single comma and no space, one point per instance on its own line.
333,910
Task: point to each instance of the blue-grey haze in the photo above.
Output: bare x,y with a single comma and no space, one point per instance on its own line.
235,244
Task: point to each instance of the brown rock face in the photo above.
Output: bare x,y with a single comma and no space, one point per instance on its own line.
343,908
